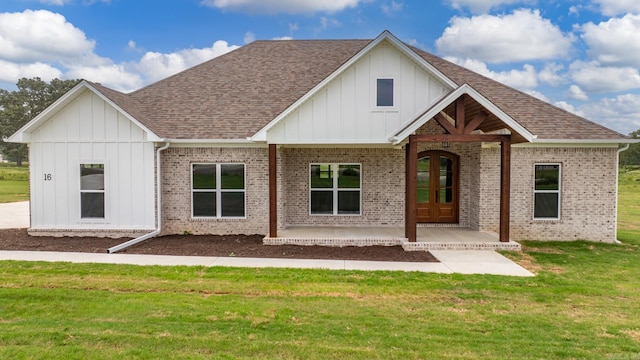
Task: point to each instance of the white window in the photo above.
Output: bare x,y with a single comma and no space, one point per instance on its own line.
217,191
384,92
92,191
546,192
335,189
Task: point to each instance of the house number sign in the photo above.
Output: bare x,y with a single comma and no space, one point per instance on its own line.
48,177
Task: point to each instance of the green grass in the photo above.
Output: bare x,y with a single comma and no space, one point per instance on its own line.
629,200
584,303
14,183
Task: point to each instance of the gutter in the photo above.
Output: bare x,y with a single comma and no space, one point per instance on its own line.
615,224
125,245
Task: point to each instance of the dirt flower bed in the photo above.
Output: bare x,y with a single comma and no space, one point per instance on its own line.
208,245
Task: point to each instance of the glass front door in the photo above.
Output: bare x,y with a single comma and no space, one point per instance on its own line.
437,187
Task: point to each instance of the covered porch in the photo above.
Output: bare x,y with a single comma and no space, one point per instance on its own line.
428,238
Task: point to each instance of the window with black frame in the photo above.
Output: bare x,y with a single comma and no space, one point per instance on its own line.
335,189
92,191
546,193
218,190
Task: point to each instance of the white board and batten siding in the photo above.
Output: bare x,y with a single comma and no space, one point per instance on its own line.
91,131
345,111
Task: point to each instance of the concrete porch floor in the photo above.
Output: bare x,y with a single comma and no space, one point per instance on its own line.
429,238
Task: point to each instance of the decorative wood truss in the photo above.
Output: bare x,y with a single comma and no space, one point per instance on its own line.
458,130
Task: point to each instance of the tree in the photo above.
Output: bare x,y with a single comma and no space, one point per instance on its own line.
632,155
20,106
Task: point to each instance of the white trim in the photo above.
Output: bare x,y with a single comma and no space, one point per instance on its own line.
335,172
394,102
409,128
104,192
558,191
586,141
261,135
224,143
23,134
218,190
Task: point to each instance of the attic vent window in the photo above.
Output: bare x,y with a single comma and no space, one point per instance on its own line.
384,92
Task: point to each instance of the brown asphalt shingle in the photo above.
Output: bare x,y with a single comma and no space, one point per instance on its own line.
234,95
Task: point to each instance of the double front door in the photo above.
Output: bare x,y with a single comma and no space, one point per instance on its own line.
437,187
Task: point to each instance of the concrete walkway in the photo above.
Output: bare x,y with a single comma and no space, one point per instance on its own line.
14,215
451,261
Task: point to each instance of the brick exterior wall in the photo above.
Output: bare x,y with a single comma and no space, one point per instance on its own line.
588,193
382,186
176,191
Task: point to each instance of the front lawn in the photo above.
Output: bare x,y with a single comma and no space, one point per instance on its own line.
14,183
584,303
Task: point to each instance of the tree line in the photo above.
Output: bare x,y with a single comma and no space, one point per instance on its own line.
20,106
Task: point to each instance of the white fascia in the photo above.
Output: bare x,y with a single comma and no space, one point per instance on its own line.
245,143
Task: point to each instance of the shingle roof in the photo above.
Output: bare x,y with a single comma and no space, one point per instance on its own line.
539,117
234,95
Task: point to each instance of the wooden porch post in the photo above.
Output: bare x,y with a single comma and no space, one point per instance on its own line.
410,231
505,189
273,192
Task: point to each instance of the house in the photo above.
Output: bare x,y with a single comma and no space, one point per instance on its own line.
339,133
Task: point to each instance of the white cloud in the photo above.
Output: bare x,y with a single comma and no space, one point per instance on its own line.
40,36
621,113
568,107
482,6
326,22
282,6
392,7
249,37
576,93
616,41
551,74
282,38
617,7
115,76
11,72
524,79
43,44
155,66
593,77
521,36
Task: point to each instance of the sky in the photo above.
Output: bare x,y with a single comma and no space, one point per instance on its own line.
580,55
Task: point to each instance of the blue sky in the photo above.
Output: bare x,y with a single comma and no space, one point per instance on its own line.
581,55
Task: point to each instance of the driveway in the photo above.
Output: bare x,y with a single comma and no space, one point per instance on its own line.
14,215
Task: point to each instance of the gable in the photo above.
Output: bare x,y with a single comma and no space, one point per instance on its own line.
87,118
84,114
344,111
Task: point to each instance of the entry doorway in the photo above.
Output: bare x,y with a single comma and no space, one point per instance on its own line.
438,187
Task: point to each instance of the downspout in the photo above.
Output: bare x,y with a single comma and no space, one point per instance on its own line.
615,223
124,245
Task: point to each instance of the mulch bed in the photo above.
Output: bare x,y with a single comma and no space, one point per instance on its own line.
208,245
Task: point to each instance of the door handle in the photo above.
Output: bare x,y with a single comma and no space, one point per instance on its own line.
437,196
